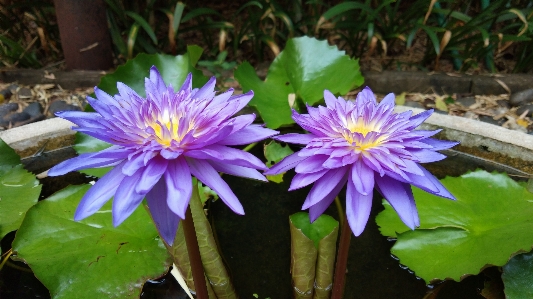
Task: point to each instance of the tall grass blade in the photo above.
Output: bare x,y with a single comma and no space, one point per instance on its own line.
142,22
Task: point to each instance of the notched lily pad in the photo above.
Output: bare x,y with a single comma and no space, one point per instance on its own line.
19,190
303,69
90,258
489,223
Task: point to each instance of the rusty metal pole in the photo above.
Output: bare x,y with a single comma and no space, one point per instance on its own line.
84,34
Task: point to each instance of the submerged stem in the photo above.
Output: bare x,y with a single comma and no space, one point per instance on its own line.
194,256
7,254
339,277
340,210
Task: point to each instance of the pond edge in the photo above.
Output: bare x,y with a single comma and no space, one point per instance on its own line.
478,138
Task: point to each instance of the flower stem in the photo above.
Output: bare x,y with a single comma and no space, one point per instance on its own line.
194,256
339,277
249,147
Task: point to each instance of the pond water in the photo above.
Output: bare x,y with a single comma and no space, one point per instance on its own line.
256,247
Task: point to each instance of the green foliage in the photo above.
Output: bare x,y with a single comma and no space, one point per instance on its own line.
487,225
517,276
173,69
160,23
317,230
478,35
90,258
275,152
299,75
312,255
29,34
19,190
8,156
220,64
469,33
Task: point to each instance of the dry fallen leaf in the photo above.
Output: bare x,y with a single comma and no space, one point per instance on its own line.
440,104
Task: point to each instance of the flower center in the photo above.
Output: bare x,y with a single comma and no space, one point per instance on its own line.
166,132
356,135
167,129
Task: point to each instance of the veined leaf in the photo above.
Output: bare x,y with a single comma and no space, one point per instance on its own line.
305,68
489,223
90,255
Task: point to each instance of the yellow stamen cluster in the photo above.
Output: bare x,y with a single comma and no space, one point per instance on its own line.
172,127
360,127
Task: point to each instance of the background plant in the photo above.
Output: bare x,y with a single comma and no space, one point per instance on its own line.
29,36
428,34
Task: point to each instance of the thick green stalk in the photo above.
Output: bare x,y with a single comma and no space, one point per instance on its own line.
324,265
180,256
303,263
213,265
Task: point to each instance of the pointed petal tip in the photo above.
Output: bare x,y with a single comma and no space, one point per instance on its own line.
54,172
249,93
78,217
118,217
357,231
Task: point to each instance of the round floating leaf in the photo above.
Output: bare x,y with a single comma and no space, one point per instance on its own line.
490,222
90,258
173,69
517,277
303,69
19,191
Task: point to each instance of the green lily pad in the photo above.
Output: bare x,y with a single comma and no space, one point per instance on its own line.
90,258
302,70
19,190
173,69
517,276
490,222
8,156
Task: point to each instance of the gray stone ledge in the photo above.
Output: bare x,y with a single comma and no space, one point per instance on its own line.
482,139
442,83
47,135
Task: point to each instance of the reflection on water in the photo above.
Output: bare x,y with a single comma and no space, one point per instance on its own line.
256,247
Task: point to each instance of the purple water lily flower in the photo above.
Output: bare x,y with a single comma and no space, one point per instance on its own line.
158,142
362,144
